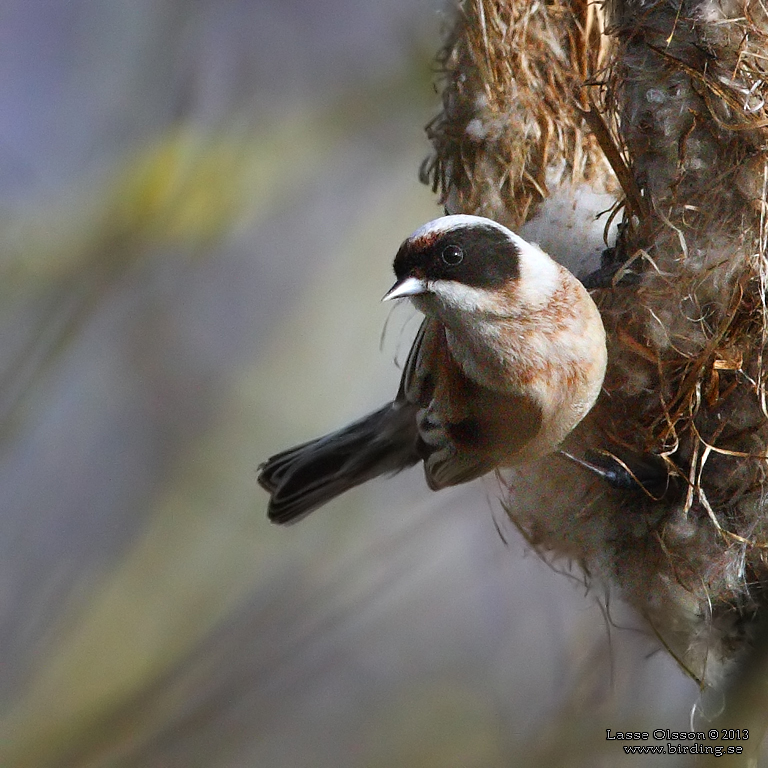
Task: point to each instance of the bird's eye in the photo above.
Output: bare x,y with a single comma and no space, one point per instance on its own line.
452,255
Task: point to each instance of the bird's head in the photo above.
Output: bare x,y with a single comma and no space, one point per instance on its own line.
472,264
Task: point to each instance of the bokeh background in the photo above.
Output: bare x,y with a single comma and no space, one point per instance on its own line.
200,202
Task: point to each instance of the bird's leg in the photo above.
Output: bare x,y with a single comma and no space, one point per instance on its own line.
605,275
649,473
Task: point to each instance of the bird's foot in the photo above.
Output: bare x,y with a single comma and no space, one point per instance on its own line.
649,473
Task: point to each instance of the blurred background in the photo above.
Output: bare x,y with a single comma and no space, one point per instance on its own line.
200,205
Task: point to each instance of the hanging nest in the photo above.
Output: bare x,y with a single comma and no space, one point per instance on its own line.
511,127
684,96
671,97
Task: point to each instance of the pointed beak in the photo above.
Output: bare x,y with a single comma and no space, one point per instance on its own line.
409,286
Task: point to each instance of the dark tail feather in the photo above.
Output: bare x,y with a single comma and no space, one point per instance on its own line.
309,475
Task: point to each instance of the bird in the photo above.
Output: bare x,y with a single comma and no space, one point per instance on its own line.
509,357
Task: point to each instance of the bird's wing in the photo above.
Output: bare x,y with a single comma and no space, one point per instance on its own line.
465,430
416,383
